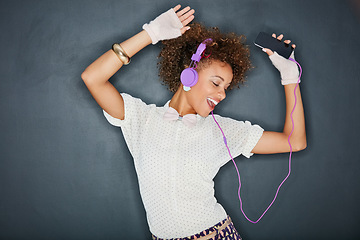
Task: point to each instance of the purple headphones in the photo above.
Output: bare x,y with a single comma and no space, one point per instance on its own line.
189,76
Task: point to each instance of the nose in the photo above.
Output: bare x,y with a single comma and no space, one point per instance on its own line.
222,94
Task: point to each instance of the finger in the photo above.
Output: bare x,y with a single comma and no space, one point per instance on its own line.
287,41
184,29
293,46
268,51
185,18
180,13
280,37
177,7
185,23
273,35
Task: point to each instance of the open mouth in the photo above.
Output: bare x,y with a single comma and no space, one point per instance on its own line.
212,103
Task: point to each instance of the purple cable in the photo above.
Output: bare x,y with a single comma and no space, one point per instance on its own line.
237,170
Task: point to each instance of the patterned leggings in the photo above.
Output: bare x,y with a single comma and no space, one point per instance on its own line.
228,233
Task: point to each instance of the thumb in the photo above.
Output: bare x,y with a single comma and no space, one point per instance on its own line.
268,51
292,55
184,29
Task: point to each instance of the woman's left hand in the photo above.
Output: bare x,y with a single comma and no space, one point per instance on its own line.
288,69
280,37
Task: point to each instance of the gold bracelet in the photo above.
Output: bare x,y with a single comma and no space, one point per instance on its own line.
119,51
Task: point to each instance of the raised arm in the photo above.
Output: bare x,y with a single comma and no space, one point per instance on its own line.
277,142
97,74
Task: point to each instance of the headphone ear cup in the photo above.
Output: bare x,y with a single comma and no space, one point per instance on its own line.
189,77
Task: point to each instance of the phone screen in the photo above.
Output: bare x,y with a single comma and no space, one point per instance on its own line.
264,40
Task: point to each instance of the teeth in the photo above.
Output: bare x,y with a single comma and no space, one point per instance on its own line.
213,101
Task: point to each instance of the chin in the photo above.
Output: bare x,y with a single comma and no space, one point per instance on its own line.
205,111
204,114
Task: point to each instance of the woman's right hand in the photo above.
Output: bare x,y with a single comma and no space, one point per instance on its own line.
170,24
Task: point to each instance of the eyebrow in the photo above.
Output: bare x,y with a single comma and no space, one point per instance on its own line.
219,77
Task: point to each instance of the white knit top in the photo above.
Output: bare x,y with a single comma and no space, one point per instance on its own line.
176,164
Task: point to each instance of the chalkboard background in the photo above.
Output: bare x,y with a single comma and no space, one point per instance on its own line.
66,173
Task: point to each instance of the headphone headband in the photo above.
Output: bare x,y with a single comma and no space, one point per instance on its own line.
197,56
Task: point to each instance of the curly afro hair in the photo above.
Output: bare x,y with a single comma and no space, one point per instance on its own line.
229,48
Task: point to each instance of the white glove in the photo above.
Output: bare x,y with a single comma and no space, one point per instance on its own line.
288,69
165,26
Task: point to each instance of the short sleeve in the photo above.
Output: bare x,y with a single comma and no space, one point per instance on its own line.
133,110
241,136
113,121
254,133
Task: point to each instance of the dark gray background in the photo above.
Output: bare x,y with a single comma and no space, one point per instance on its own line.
65,173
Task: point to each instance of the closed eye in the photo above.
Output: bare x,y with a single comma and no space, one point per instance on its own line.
219,85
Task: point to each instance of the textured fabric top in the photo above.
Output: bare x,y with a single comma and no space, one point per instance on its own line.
176,164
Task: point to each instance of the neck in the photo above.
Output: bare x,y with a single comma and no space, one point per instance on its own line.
180,104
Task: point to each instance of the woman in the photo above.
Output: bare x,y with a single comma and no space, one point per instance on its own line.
177,148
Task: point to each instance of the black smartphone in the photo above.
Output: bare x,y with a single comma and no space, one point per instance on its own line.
264,40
